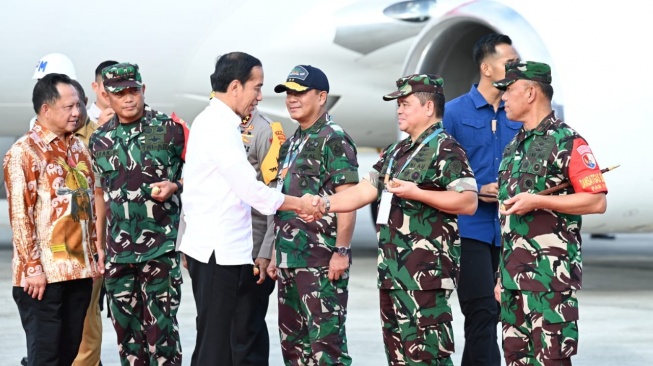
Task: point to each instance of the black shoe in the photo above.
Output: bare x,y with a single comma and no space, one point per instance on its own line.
24,361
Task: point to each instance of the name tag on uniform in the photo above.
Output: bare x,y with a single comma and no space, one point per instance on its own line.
384,208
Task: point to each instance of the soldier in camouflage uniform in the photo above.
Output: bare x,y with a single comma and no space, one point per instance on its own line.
422,183
540,268
313,257
138,158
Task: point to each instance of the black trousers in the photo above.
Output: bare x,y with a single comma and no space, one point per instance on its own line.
478,262
231,309
53,325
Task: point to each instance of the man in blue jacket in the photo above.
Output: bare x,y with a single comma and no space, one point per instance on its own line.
477,120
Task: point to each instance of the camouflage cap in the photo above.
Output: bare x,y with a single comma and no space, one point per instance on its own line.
428,83
525,70
121,76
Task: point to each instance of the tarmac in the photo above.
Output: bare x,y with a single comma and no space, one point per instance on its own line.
616,310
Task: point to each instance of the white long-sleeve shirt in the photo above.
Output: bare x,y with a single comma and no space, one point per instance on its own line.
220,187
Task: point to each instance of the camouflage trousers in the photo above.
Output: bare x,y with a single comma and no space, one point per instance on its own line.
417,327
143,300
539,328
312,313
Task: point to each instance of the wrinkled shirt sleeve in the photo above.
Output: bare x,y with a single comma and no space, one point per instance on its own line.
21,175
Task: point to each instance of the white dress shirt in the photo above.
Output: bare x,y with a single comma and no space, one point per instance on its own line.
220,187
94,111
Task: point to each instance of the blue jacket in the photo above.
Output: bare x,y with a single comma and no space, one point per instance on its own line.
468,119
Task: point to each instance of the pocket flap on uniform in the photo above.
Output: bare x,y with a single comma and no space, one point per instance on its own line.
565,313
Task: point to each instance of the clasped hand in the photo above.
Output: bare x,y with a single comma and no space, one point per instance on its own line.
312,208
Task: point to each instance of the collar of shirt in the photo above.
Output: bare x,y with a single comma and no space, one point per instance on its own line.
543,126
86,130
424,135
220,107
315,127
114,123
94,111
46,135
479,100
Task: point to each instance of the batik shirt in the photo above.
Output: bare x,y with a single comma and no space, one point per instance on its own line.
542,248
419,248
128,159
325,158
50,195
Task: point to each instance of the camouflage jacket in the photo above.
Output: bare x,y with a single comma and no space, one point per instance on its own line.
419,249
542,249
326,161
128,158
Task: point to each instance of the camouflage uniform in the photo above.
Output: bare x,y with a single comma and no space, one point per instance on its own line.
541,257
143,276
312,309
419,248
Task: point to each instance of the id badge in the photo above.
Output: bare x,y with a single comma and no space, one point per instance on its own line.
384,208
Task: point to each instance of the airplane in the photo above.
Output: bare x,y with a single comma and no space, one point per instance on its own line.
596,51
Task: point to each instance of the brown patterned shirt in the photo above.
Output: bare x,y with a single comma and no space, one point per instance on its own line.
49,185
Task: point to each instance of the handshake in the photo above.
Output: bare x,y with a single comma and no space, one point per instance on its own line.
312,207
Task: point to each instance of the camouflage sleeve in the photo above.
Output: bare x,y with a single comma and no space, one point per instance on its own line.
91,147
340,159
452,168
186,132
178,150
372,177
382,158
180,138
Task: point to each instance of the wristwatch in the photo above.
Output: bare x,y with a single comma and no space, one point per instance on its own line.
327,204
342,251
180,187
497,275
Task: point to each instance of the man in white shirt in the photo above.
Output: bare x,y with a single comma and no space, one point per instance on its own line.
220,187
100,111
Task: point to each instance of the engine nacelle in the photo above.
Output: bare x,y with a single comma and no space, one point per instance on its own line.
444,46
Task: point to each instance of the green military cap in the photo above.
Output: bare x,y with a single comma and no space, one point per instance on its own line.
410,84
121,76
525,70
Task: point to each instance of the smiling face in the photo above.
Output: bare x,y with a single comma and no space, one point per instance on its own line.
61,116
305,107
129,103
249,94
413,116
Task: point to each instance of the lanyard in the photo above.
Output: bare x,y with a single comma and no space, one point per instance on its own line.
292,154
290,158
410,158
